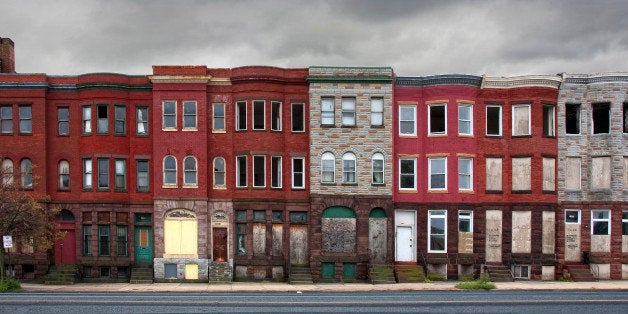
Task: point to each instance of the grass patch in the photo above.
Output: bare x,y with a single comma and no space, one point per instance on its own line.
435,276
465,277
9,285
480,284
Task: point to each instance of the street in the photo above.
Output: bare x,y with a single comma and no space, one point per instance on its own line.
373,302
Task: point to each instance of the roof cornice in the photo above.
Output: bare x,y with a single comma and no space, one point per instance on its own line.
435,80
621,77
549,81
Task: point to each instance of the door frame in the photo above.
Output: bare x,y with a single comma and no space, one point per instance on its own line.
407,219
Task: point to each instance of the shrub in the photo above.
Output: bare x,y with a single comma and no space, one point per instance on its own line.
480,284
435,276
465,277
9,285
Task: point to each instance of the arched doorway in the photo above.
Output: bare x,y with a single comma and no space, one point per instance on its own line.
65,249
378,231
338,229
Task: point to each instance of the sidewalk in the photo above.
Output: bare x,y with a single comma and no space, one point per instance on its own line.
326,287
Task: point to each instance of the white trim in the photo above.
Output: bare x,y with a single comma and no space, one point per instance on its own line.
439,214
470,159
163,115
302,186
237,115
253,103
238,171
513,122
429,118
280,122
279,174
429,173
413,107
470,107
414,174
195,127
500,119
255,169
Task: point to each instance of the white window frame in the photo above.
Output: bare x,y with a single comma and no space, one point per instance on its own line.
256,169
413,174
302,172
241,104
216,117
88,172
529,129
164,115
165,183
469,174
64,174
468,107
380,158
86,116
571,222
102,128
25,119
192,103
348,108
401,120
436,214
377,112
518,271
63,121
279,173
500,120
255,116
429,118
347,173
142,188
222,172
430,174
292,115
120,171
464,215
607,220
240,171
102,172
186,171
325,109
141,122
7,172
117,120
549,125
278,119
624,221
328,157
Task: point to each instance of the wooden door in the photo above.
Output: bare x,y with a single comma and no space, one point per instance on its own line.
219,250
143,245
65,249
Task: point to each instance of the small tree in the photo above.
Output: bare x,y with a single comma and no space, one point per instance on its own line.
24,217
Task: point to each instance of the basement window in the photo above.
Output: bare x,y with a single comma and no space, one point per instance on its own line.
601,118
572,118
521,271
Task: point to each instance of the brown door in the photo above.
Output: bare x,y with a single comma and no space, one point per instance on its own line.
65,249
220,244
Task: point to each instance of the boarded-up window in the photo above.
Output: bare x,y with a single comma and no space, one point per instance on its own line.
338,227
521,120
521,174
601,172
180,233
493,174
259,239
521,227
572,173
625,173
549,177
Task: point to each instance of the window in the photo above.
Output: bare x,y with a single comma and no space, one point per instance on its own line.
63,121
102,117
601,118
275,171
493,174
26,169
600,173
407,122
103,173
275,116
219,172
549,174
572,216
87,119
87,240
521,174
548,120
465,119
259,115
241,171
407,174
298,121
465,173
348,111
572,173
120,174
438,173
328,168
170,170
493,120
572,118
601,221
219,117
64,175
377,168
26,119
103,240
241,115
465,221
240,239
6,120
189,171
259,171
437,227
142,176
520,120
170,115
625,173
180,233
624,223
120,119
521,271
625,117
348,168
437,119
327,111
121,241
298,173
141,116
189,115
7,172
377,111
87,174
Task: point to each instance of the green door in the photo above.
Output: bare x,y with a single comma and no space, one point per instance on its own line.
143,245
328,270
348,271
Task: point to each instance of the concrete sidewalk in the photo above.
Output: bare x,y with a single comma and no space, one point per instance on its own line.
326,287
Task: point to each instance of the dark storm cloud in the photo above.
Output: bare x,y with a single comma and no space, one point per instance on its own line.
415,37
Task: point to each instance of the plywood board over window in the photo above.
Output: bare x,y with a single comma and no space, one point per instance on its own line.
521,173
493,174
572,173
549,174
600,173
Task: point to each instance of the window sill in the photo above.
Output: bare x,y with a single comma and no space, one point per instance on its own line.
298,131
349,184
259,188
169,186
549,192
220,131
142,191
221,187
437,191
378,126
189,186
63,135
241,188
25,134
549,136
378,184
494,192
465,135
408,191
522,192
258,130
328,183
141,135
294,188
352,126
63,190
436,135
120,134
493,136
328,126
466,191
408,136
102,134
522,136
189,129
169,130
120,190
87,189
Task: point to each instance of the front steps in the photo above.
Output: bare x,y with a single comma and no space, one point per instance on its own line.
499,273
579,272
381,274
409,273
61,275
220,272
300,275
141,275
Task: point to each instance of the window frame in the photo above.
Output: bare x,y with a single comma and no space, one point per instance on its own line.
514,121
328,156
186,105
402,120
104,240
122,240
25,113
88,174
549,120
241,174
218,117
573,112
378,157
528,186
349,112
87,240
429,119
141,120
140,175
256,171
119,121
430,160
276,173
293,115
241,118
375,112
26,173
624,222
403,175
625,117
595,220
567,216
469,107
86,117
166,125
103,172
295,173
331,119
102,108
276,116
192,171
500,120
257,116
469,174
171,171
600,106
501,174
120,176
63,121
465,215
6,121
347,172
8,172
222,172
436,214
64,174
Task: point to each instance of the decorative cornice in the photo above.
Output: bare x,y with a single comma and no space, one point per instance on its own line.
550,81
435,80
201,79
349,79
23,85
74,87
595,78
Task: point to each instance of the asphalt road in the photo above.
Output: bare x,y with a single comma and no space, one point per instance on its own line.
308,302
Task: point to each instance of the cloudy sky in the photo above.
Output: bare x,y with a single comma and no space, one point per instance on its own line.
416,38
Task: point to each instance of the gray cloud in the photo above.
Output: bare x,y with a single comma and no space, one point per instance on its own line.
414,37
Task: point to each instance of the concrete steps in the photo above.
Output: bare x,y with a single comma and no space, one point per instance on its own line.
409,273
580,272
499,273
61,275
300,275
381,274
141,275
220,272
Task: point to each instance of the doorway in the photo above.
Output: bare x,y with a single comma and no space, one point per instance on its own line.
219,238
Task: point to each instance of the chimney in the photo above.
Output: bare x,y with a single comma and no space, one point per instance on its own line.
7,55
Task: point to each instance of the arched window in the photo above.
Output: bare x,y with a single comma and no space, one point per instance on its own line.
64,175
219,172
170,170
189,170
378,168
348,168
328,167
7,172
27,173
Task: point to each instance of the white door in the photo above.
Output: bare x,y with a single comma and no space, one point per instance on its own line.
404,251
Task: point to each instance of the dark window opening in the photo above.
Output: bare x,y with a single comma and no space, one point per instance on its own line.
241,115
572,119
493,120
548,120
103,120
437,120
601,118
297,118
625,118
258,115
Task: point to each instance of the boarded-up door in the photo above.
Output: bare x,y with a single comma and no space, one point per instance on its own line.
298,245
377,239
219,250
404,248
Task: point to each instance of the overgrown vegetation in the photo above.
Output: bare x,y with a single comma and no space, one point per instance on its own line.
431,276
480,284
468,277
9,285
